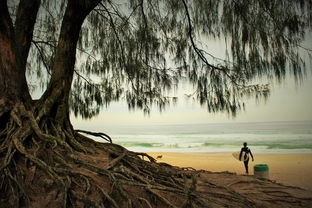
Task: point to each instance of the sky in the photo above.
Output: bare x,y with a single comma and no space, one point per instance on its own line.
288,101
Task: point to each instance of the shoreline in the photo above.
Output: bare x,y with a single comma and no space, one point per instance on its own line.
291,169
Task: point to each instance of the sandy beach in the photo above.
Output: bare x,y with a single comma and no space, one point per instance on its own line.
288,169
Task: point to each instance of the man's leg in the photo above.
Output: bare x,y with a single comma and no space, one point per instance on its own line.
246,165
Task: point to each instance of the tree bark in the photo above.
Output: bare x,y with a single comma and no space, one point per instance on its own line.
15,43
10,87
56,97
24,29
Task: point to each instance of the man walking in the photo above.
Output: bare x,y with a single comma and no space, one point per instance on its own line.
244,155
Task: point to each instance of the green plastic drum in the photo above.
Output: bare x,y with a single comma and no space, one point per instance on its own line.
261,167
261,170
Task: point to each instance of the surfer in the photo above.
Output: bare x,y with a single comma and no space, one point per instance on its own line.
245,151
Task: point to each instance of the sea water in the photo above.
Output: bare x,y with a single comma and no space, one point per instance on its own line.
262,137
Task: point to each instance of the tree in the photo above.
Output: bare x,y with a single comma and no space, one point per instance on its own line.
140,50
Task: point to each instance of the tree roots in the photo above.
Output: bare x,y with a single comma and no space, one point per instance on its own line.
43,164
71,170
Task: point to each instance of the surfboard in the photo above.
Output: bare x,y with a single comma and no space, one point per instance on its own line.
236,156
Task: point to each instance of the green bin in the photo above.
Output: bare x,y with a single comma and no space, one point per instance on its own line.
261,171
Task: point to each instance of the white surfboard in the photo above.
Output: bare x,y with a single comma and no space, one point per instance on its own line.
236,156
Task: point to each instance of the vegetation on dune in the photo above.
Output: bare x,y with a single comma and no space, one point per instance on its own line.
86,54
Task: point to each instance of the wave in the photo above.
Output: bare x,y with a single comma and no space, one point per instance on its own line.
213,146
140,144
263,137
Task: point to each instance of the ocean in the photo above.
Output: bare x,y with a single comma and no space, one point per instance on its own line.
262,137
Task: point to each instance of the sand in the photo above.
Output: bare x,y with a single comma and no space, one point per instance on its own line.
288,169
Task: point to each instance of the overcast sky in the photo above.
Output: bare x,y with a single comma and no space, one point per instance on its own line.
287,102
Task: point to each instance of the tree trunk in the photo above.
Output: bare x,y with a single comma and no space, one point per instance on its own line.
55,99
12,80
22,120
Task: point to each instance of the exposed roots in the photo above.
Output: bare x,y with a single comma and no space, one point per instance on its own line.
42,158
97,134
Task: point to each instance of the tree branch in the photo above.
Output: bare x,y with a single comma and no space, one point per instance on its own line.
199,51
48,68
119,43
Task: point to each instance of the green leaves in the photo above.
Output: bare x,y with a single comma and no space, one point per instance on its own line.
139,50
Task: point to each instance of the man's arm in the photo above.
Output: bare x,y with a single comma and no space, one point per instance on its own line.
251,155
